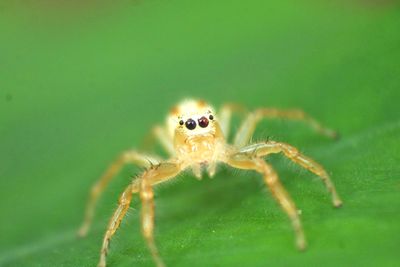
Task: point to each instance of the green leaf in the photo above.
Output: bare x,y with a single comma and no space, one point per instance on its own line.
77,87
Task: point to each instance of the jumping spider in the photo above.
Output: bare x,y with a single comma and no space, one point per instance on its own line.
195,138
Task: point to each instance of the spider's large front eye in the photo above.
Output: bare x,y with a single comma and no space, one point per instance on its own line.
190,124
203,122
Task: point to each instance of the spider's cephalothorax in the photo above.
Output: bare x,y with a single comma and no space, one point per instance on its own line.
194,137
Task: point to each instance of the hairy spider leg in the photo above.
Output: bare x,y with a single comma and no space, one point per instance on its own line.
158,134
225,115
126,157
248,126
143,185
161,133
269,147
247,162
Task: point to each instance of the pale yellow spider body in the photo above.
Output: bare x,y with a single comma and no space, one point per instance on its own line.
194,136
200,147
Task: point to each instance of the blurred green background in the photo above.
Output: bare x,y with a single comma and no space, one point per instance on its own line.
80,82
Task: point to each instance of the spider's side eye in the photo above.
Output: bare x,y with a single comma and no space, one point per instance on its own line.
211,117
181,122
203,122
190,124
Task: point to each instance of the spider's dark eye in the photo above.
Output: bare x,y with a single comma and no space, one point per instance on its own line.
190,124
181,122
211,117
203,122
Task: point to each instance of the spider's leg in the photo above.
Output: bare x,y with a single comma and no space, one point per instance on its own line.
158,133
123,206
161,133
247,162
154,175
147,219
224,116
248,126
272,147
126,157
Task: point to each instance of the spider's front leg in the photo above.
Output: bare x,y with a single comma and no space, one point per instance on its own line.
272,147
247,162
130,156
156,174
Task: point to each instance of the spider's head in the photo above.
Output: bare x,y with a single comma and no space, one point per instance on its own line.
192,118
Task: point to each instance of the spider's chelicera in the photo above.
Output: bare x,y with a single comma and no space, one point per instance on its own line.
195,137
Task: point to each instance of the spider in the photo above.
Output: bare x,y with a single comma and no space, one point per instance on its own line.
195,138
